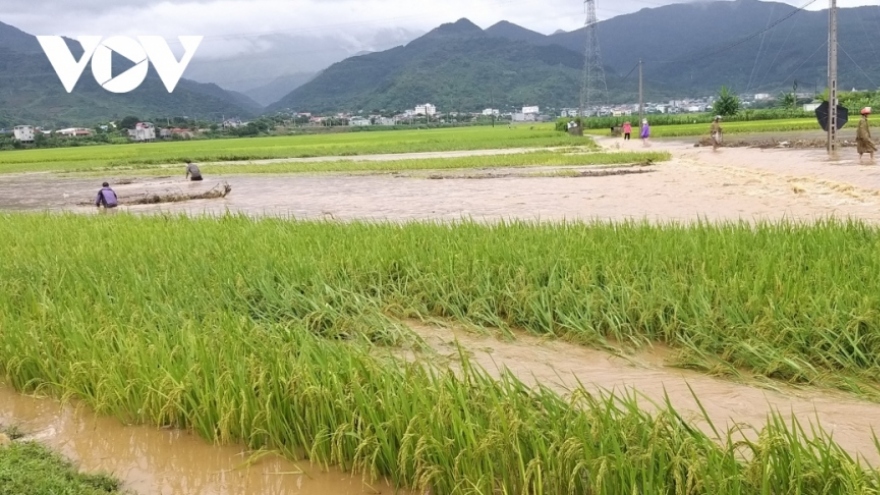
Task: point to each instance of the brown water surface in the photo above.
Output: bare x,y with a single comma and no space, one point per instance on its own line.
153,461
562,366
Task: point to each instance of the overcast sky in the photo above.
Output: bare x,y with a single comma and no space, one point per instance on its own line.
237,23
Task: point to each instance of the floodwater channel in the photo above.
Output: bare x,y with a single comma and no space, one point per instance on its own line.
154,461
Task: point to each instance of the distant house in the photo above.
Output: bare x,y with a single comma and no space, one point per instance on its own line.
359,122
427,110
531,110
75,132
143,131
812,106
181,132
23,133
165,133
491,111
232,123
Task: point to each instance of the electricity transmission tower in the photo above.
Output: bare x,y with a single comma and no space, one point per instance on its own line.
594,87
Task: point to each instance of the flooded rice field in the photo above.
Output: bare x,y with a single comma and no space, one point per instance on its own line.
562,366
168,462
734,183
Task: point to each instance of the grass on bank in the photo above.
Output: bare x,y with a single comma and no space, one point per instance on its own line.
755,126
244,149
530,159
263,336
26,467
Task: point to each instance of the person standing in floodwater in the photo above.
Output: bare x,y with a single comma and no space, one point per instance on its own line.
864,143
646,132
192,171
627,130
106,197
715,131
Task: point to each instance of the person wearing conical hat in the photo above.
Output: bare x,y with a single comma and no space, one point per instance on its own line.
864,143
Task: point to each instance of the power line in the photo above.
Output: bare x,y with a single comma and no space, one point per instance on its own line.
739,42
857,65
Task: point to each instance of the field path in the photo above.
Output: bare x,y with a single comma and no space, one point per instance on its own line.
559,365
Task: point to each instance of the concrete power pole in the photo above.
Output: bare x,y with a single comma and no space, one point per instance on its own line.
594,86
641,94
832,79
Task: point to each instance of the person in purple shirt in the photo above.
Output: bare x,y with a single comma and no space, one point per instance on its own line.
106,197
646,132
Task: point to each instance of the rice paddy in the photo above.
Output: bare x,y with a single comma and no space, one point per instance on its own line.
281,147
263,331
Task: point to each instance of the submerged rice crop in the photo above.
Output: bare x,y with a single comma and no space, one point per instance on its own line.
530,159
251,330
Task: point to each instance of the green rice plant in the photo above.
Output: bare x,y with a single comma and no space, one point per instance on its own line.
140,155
28,467
261,332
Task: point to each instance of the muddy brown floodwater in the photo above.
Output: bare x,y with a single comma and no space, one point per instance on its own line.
153,461
732,184
560,366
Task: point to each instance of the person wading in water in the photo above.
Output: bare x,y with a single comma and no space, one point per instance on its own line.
864,143
716,133
192,170
106,197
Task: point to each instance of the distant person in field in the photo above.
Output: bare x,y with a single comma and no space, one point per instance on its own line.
715,131
627,130
192,171
864,143
106,197
646,132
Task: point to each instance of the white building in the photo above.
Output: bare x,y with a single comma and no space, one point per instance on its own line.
531,110
525,117
386,121
24,133
426,109
359,122
143,131
763,97
75,132
491,111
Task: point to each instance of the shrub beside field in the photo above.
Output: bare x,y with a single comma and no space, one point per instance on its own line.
260,331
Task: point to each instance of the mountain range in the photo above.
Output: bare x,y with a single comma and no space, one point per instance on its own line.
30,92
689,49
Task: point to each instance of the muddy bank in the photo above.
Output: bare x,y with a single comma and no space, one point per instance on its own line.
154,461
559,366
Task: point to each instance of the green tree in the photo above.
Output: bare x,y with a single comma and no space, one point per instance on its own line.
128,122
788,101
727,104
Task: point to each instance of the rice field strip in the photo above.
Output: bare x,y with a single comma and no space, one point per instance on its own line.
268,339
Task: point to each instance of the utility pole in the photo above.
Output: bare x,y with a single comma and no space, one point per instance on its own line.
832,79
641,94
